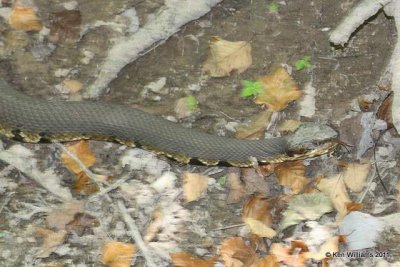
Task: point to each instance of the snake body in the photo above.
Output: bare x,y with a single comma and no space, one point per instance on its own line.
32,119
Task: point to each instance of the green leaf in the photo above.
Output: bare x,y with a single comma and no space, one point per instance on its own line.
303,63
222,180
191,103
250,88
273,8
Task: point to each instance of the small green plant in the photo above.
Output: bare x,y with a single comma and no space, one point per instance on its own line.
303,63
250,88
191,103
273,7
222,180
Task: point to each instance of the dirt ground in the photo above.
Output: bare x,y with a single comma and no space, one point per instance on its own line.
299,28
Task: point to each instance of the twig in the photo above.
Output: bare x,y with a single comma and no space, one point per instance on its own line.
229,227
88,172
110,188
6,200
135,234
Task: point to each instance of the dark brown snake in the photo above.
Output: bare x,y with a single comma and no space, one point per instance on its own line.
32,119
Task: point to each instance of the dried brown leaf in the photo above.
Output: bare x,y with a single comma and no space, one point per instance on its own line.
278,91
118,254
24,18
292,175
335,188
60,217
236,187
255,128
65,26
254,181
287,255
84,185
235,253
259,228
194,185
225,57
82,151
258,208
184,259
73,86
355,176
51,240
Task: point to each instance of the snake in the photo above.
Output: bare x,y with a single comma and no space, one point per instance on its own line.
33,119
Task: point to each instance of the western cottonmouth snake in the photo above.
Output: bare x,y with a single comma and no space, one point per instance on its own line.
31,119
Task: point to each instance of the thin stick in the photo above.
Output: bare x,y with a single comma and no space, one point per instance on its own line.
135,234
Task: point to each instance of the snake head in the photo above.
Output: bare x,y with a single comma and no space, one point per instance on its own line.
310,140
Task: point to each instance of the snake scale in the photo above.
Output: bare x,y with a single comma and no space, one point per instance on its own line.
32,119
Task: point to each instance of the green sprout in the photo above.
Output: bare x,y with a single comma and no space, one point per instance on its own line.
303,63
250,88
191,103
273,8
222,180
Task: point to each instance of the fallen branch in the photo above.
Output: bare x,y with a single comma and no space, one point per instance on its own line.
168,21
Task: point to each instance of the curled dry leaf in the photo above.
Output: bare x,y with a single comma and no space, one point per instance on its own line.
118,254
355,176
292,175
255,128
254,181
278,91
235,253
51,240
225,57
194,185
183,259
24,18
336,190
84,185
82,151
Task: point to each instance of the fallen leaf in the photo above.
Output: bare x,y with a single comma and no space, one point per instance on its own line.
287,255
355,176
82,151
183,259
118,254
331,245
236,187
335,188
194,185
259,228
235,253
51,240
385,111
73,86
24,18
292,175
354,206
255,128
84,185
60,217
82,222
259,208
305,207
279,90
288,126
184,107
225,57
254,181
65,26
